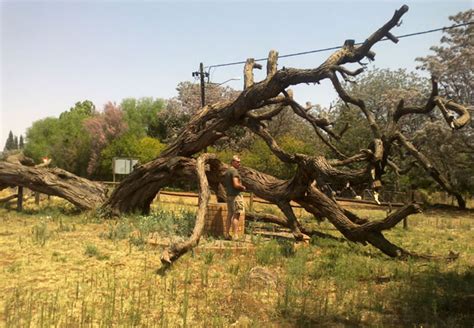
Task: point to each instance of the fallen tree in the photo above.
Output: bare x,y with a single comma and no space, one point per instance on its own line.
83,193
258,103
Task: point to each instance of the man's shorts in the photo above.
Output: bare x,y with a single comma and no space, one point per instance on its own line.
235,204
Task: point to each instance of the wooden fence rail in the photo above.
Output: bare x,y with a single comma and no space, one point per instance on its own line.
409,196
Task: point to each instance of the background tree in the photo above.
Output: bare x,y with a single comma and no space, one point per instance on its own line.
381,90
103,128
21,144
10,143
62,139
141,115
257,104
179,109
453,63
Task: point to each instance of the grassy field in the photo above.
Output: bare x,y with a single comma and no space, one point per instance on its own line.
62,269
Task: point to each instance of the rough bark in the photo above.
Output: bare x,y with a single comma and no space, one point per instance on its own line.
446,107
8,198
83,193
174,251
258,102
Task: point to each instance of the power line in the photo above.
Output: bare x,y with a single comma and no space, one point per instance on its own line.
339,47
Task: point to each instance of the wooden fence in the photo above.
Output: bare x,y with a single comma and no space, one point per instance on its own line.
388,198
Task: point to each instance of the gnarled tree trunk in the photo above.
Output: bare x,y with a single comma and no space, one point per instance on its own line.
83,193
258,103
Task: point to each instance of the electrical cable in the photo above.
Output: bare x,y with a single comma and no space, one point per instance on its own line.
338,47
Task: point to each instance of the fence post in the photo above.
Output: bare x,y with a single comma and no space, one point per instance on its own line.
251,202
19,201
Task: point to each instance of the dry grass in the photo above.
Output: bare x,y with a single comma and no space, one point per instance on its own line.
69,270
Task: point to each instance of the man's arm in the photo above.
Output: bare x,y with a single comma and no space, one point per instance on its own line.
237,184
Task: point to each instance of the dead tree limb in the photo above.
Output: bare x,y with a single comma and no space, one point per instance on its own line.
431,169
270,218
174,251
137,191
83,193
8,198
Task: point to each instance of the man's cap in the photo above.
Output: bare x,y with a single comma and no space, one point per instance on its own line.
236,158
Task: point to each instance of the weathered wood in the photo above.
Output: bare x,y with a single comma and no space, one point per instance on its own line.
83,193
174,251
248,72
258,102
272,63
8,198
19,203
431,169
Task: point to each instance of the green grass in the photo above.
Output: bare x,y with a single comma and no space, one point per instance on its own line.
71,270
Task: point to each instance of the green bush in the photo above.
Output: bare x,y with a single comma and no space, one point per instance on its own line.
287,247
267,252
93,251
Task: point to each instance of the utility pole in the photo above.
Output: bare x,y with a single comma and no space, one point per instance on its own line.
202,75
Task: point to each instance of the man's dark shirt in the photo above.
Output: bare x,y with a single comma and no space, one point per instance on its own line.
230,174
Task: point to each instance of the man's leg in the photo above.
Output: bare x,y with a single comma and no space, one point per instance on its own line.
235,225
238,210
229,219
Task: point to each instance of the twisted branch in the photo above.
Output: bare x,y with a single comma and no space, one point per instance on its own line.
174,251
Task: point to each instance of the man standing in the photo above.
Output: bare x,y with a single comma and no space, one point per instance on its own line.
235,200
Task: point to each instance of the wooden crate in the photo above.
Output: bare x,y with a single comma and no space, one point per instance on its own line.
216,220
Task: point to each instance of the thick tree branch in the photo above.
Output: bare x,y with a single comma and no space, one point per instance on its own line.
285,207
361,157
390,221
174,251
455,123
272,63
83,193
248,72
283,222
429,106
269,114
261,131
357,102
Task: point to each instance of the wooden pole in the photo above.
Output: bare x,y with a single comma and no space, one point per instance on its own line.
251,202
20,199
203,90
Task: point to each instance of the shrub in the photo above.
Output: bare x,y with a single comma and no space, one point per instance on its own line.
268,253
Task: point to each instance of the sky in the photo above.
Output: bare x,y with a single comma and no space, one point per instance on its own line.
56,53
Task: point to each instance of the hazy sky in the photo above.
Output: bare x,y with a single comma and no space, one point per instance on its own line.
55,53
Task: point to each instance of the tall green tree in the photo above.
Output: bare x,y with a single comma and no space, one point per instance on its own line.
62,139
128,145
141,115
10,143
